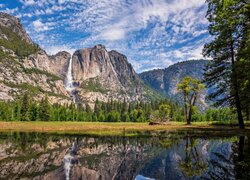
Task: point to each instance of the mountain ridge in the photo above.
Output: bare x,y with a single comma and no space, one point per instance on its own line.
97,73
165,81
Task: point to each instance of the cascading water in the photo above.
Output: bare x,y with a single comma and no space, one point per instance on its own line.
69,78
69,84
70,159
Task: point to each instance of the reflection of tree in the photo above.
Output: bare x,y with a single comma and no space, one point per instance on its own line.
24,140
192,165
169,141
242,165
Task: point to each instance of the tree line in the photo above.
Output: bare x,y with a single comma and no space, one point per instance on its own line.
26,108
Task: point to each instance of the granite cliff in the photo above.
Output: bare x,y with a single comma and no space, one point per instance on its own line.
100,74
96,73
165,81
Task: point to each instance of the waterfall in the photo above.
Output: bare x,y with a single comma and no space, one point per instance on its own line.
69,84
69,78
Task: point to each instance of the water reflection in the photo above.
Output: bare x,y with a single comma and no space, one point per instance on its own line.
47,156
70,159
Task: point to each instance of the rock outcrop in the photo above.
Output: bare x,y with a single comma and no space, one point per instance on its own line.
15,26
165,80
97,73
105,75
24,67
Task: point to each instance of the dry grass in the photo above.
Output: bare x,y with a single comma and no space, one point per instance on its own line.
98,128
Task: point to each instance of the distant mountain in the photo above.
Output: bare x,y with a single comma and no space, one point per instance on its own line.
97,73
165,80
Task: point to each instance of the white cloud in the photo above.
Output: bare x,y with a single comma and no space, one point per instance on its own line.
52,50
154,33
28,2
10,11
113,34
39,26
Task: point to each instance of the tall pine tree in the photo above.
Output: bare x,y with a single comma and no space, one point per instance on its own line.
222,73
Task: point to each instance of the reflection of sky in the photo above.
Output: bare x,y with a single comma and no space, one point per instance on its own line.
213,158
152,33
140,177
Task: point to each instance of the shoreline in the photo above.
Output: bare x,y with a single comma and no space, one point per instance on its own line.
119,129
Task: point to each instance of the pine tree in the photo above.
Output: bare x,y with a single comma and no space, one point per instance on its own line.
24,111
227,26
17,110
44,110
33,112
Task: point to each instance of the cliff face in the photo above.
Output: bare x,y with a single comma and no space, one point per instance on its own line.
104,75
97,73
24,67
166,80
14,25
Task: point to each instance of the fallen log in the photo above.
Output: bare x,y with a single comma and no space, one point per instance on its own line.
157,123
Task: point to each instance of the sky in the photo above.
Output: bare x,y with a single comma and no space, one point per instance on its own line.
151,33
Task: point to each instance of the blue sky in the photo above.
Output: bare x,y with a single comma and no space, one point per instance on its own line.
151,33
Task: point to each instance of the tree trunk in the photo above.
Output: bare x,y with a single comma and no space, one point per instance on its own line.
189,115
186,109
247,114
236,91
241,148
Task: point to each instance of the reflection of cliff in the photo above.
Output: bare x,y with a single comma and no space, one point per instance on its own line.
109,158
40,156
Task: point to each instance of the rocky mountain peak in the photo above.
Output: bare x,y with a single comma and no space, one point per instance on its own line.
99,46
125,71
96,73
62,53
166,80
15,26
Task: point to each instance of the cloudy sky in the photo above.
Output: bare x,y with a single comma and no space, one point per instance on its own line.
151,33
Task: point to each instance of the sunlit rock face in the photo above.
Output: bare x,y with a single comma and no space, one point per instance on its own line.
15,26
105,75
166,80
59,63
39,72
41,156
96,72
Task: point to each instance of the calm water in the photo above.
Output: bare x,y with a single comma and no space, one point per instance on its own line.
173,156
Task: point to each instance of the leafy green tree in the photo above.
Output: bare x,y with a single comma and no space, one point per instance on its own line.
87,108
190,89
229,21
101,116
134,115
162,114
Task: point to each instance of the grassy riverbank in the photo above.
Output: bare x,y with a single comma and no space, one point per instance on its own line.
97,128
